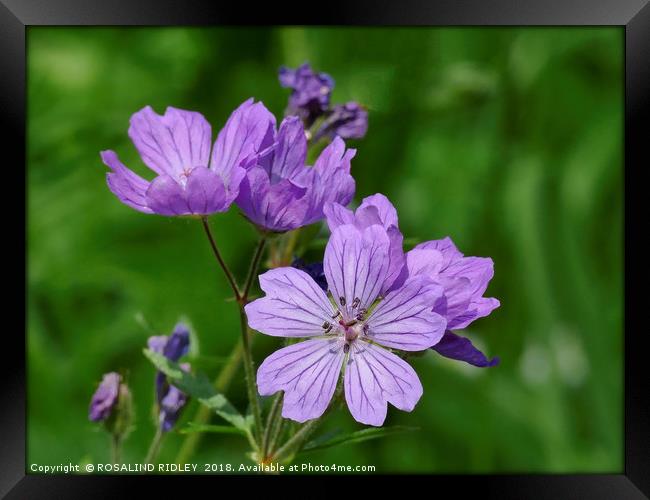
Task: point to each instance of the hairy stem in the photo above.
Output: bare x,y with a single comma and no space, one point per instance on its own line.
296,441
222,263
249,369
116,445
274,412
154,448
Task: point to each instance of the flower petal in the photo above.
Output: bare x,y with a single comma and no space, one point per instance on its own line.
478,270
356,263
445,246
290,153
385,209
294,306
374,377
249,129
337,215
129,187
460,348
171,143
166,197
404,319
205,192
307,372
277,207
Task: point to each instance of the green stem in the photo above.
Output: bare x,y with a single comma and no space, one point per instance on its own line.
203,414
252,270
249,369
116,445
222,263
296,441
154,448
270,424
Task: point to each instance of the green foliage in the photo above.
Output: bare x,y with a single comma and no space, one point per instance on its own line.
335,439
509,140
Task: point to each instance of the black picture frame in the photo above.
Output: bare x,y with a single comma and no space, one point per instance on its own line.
632,15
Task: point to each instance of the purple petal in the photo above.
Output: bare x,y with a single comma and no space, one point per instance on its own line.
460,348
290,152
478,270
404,319
294,306
169,144
313,269
247,131
178,343
105,397
129,187
356,263
425,262
375,377
277,207
337,215
205,192
307,372
445,246
385,209
165,196
157,343
477,308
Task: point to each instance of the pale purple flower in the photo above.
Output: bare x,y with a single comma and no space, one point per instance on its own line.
310,94
375,209
281,193
348,121
169,398
176,146
464,280
105,398
352,329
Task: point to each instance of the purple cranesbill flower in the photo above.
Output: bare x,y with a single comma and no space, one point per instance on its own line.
349,328
313,269
375,209
105,398
176,146
348,121
464,280
310,94
169,398
280,193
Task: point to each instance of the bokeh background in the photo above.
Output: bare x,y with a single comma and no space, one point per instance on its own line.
507,139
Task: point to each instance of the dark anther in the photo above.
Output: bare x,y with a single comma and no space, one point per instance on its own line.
329,329
346,348
356,302
342,301
362,314
336,315
326,325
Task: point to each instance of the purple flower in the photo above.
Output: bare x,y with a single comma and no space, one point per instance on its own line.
310,94
105,398
314,269
349,121
375,209
176,146
464,280
351,329
280,193
168,397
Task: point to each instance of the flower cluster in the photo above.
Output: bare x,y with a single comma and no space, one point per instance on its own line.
360,313
170,399
310,100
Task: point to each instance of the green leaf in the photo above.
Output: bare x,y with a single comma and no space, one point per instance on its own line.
326,441
217,429
198,387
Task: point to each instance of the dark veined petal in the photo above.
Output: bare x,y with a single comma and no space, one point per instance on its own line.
171,143
404,318
374,377
294,306
356,263
307,372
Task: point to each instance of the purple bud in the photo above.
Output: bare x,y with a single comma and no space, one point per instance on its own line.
349,121
315,270
310,94
172,404
168,397
105,398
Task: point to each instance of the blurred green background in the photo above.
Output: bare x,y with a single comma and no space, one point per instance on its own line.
507,139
